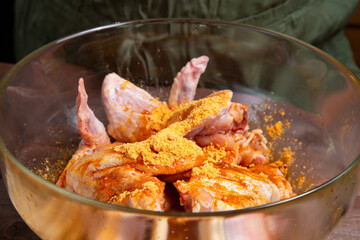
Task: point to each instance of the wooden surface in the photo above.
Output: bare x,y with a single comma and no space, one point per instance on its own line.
12,227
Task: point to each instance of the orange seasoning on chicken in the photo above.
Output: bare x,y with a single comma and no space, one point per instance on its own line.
169,147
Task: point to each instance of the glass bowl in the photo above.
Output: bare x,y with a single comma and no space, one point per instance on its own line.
280,78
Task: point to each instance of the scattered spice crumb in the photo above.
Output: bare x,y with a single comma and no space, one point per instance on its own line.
300,181
275,131
268,118
287,156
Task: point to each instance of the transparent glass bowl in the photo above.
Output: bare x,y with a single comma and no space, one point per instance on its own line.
274,74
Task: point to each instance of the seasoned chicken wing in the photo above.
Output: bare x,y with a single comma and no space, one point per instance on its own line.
91,130
274,174
203,147
166,152
253,148
230,130
219,187
120,184
128,109
224,130
185,83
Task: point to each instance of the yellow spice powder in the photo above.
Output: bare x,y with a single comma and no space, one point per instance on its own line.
214,153
169,145
206,169
158,117
146,186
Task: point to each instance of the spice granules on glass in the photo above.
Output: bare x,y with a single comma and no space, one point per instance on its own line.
275,130
287,156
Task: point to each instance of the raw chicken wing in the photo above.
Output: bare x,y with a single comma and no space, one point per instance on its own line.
128,109
253,149
120,185
91,130
185,83
219,187
274,174
225,129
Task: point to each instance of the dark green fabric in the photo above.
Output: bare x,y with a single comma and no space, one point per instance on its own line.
318,22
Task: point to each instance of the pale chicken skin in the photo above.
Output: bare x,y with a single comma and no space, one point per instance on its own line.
219,187
185,83
203,147
119,184
253,149
274,174
85,175
127,108
91,130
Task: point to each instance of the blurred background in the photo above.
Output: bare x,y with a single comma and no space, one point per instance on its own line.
7,24
352,32
7,53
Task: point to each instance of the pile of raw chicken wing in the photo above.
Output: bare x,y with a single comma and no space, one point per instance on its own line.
215,163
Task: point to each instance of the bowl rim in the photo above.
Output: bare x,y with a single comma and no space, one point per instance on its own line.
108,206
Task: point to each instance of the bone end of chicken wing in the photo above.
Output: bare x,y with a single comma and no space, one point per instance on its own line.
185,83
91,129
224,130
